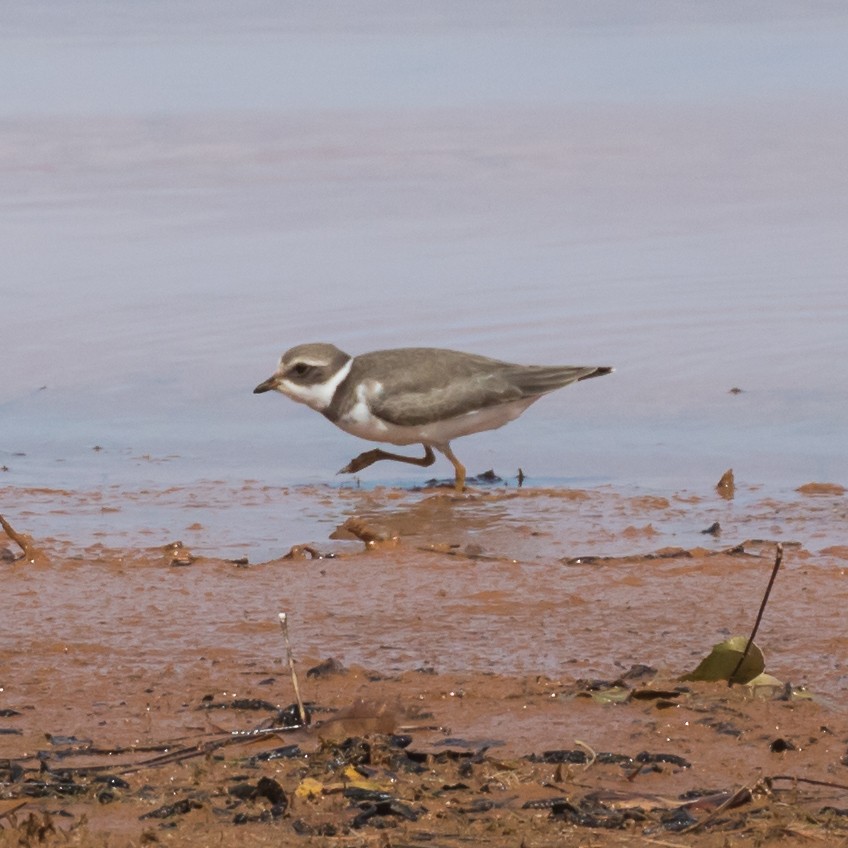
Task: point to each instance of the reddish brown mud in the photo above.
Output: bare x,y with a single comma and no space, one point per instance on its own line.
473,634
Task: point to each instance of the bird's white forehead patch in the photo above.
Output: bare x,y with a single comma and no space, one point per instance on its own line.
318,396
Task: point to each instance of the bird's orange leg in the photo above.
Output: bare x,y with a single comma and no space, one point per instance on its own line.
459,468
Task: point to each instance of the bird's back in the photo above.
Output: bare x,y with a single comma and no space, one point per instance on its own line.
430,384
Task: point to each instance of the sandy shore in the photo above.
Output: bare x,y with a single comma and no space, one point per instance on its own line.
132,679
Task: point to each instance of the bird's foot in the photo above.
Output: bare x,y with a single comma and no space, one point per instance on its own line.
362,461
375,455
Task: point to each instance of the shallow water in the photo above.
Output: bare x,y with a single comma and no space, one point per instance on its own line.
186,194
259,523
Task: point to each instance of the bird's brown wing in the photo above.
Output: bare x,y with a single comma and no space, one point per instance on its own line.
434,387
442,384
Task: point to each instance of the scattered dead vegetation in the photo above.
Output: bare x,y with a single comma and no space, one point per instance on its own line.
370,758
373,768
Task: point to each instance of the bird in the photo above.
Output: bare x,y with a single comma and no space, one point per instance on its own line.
415,395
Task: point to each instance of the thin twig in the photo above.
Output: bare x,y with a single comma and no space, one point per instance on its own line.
829,784
740,796
7,813
175,755
778,559
23,541
290,658
591,751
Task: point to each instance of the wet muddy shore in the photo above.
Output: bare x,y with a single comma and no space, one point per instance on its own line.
499,667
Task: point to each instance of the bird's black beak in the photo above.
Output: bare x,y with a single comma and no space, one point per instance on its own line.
267,386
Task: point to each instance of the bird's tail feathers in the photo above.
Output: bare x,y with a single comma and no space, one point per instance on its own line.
541,379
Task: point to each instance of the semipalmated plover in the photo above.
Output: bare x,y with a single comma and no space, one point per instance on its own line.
415,395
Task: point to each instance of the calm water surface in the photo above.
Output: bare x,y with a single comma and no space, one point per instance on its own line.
189,189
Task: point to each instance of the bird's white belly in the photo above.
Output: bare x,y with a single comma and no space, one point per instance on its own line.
359,421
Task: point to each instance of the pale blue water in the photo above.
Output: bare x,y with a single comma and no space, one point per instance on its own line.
188,189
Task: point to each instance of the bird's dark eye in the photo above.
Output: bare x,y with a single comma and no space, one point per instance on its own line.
300,368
